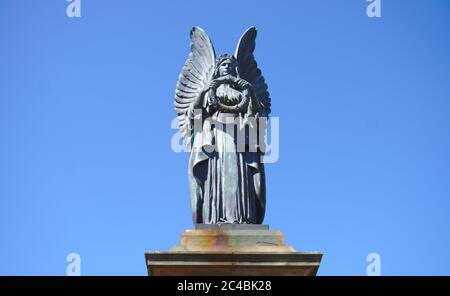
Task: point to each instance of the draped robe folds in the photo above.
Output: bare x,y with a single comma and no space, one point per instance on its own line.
227,185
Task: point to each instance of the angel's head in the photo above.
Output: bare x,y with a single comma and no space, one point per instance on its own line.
226,65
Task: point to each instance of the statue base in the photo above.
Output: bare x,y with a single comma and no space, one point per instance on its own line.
232,249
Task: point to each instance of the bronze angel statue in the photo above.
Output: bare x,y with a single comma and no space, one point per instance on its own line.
220,104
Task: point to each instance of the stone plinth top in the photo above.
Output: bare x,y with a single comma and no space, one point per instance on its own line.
229,226
232,250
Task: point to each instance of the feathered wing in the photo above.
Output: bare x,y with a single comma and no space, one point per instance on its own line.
248,69
195,75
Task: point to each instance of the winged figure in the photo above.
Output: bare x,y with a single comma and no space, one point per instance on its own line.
221,105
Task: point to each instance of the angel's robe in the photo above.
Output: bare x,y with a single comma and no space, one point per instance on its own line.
227,181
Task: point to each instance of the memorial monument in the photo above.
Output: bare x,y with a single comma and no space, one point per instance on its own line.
222,106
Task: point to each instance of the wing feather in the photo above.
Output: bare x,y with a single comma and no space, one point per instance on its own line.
248,69
195,75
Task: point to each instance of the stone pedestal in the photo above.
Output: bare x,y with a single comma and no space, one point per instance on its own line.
220,250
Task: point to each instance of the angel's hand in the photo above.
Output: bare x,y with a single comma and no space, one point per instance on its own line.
213,103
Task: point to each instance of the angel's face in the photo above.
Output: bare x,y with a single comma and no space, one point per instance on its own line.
227,68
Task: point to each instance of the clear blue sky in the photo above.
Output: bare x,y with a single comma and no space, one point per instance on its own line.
86,106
